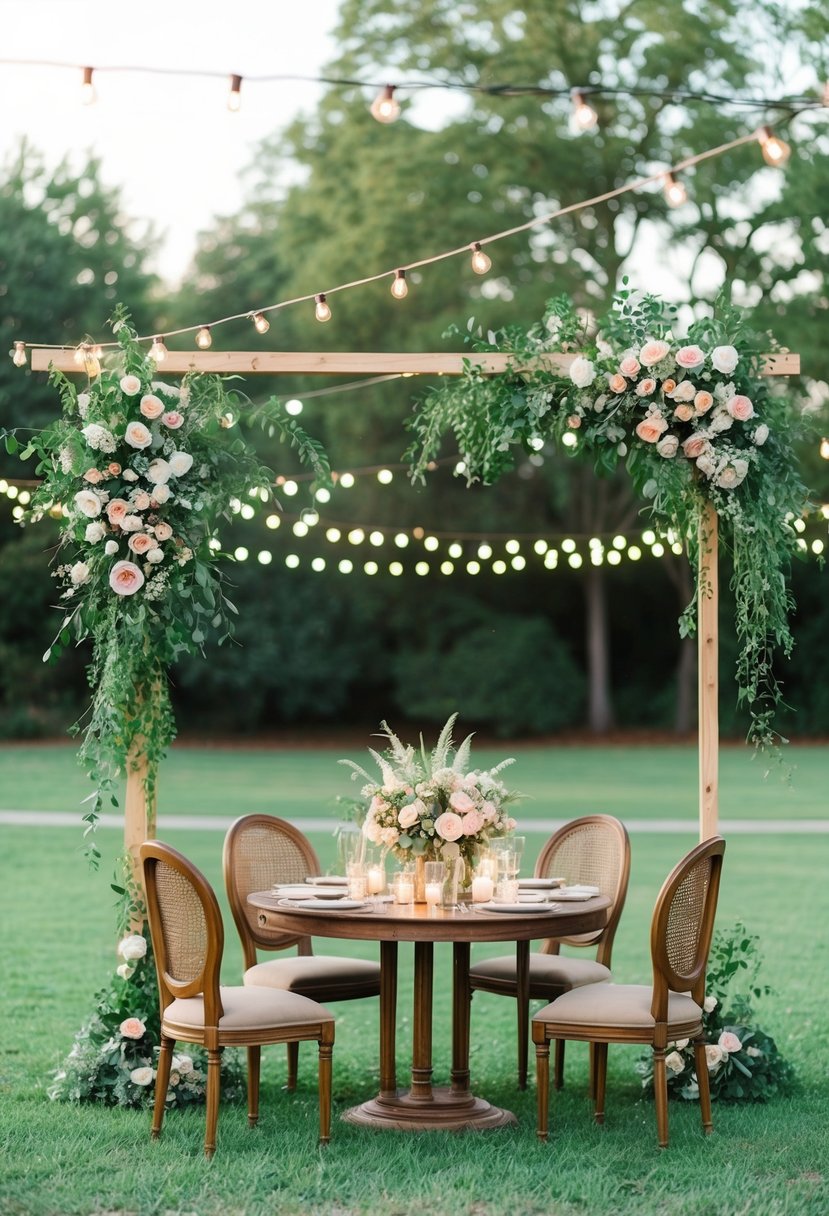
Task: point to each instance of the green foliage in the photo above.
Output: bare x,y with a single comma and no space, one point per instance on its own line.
744,1063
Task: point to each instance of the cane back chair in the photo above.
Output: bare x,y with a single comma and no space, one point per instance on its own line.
669,1009
188,941
595,850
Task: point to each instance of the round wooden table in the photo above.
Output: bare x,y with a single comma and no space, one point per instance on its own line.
423,1107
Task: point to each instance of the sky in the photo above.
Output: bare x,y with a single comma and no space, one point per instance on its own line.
169,142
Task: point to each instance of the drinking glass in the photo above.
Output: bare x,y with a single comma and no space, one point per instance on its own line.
350,845
435,877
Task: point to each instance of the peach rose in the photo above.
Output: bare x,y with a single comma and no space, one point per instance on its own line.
690,356
172,419
130,385
703,402
117,508
125,579
141,501
740,407
574,422
461,802
646,387
629,366
163,531
449,826
93,476
617,383
684,413
668,386
140,542
653,352
650,428
151,407
694,446
137,435
132,1028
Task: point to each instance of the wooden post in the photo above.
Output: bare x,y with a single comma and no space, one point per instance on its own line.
707,645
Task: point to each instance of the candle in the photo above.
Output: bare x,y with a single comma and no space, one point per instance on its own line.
434,891
376,880
481,888
403,889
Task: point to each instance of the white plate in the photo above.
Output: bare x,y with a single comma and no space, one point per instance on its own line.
327,905
294,892
514,909
327,880
540,883
577,893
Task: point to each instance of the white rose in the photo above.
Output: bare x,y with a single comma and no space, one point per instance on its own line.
154,556
732,474
710,1004
706,464
760,435
180,463
674,1062
95,532
132,523
132,946
79,573
141,1076
124,970
714,1056
721,421
129,475
667,447
724,359
680,1043
161,493
130,385
88,503
754,1052
183,1064
159,472
684,391
111,547
582,372
408,816
137,435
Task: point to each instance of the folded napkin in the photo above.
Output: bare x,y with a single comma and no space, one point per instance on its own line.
327,880
577,892
540,883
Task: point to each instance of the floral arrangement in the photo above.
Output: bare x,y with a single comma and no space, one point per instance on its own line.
695,423
744,1063
140,474
429,805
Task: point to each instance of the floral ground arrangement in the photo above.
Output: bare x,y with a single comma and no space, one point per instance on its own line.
693,420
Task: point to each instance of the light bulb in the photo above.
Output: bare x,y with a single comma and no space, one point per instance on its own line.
824,443
158,351
775,151
323,312
88,94
584,116
204,339
261,323
19,354
675,192
481,262
399,287
234,97
385,107
80,354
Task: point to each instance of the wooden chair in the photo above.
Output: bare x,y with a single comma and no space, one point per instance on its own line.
188,940
670,1009
259,851
596,850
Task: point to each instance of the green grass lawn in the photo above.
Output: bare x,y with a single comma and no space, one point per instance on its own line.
57,949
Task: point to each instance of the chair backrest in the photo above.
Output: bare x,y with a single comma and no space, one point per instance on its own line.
185,926
594,850
683,922
261,850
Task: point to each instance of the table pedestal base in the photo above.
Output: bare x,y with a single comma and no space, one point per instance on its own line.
442,1111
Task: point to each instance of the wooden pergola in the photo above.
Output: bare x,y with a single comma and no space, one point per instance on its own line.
381,364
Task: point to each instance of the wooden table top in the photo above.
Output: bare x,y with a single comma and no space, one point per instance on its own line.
415,924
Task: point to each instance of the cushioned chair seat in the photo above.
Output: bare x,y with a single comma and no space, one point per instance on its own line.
309,973
625,1006
546,971
249,1009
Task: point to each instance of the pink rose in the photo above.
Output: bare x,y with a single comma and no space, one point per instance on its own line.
694,446
740,408
151,407
629,366
130,385
449,826
461,802
690,356
140,542
93,476
650,428
703,402
574,422
489,811
125,579
116,510
172,419
729,1042
684,413
137,435
132,1028
163,531
653,352
646,387
617,383
472,823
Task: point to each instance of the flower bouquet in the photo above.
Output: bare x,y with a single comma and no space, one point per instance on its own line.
432,806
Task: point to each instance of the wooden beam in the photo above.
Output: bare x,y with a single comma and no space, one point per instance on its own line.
708,672
350,363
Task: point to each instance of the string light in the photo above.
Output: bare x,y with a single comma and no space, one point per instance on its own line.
158,351
481,262
204,338
234,97
323,310
775,150
399,287
824,448
585,117
385,107
88,94
260,323
675,192
19,354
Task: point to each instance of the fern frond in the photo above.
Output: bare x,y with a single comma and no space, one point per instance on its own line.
461,761
440,755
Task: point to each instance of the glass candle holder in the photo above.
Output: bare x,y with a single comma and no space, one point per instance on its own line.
403,888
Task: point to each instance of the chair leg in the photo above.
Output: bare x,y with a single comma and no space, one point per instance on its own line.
542,1073
704,1086
600,1076
522,993
558,1064
660,1093
326,1051
591,1084
162,1081
293,1064
214,1084
254,1058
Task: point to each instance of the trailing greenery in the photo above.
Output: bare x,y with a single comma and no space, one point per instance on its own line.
695,423
744,1063
139,473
